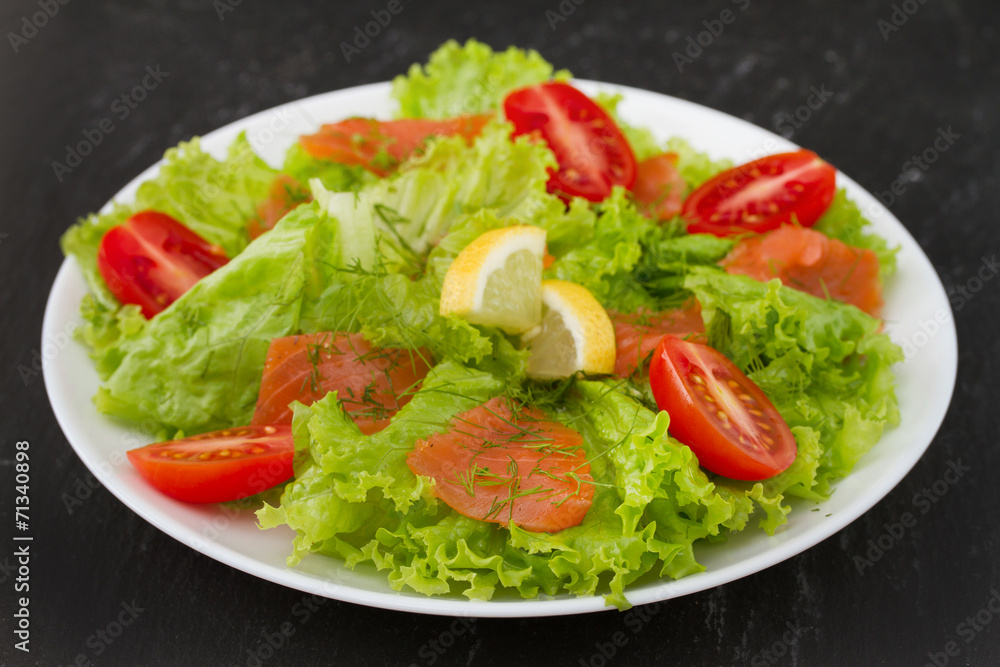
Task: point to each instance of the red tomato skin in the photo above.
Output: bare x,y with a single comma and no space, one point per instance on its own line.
218,479
795,186
152,259
659,187
592,152
673,362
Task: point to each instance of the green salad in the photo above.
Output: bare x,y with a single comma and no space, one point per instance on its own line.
366,232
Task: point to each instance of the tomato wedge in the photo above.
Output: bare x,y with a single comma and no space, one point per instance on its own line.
762,195
220,466
638,334
720,413
152,259
371,383
505,465
810,262
285,195
592,152
659,187
379,146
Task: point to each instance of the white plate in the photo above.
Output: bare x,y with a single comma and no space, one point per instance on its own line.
916,312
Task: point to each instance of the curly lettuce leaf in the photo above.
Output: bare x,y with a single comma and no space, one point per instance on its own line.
604,260
215,198
667,261
401,217
356,499
823,364
197,365
467,79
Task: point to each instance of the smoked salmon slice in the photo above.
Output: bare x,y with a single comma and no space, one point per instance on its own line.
638,334
285,195
379,146
659,187
810,262
371,383
501,462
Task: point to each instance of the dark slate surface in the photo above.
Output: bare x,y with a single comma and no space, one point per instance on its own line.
892,91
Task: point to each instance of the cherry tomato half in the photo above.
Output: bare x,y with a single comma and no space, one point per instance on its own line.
720,413
151,260
219,466
592,152
762,195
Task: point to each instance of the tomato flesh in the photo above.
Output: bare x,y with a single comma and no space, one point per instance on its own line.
762,195
152,259
592,152
379,146
504,463
720,413
286,194
371,383
659,187
220,466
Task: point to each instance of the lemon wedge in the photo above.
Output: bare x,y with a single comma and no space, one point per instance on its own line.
576,334
497,280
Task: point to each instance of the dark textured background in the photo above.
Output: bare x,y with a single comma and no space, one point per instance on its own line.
940,69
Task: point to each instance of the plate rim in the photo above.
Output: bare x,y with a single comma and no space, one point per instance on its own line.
561,605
